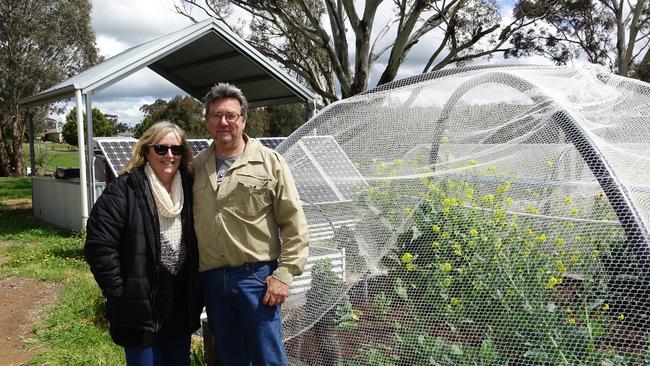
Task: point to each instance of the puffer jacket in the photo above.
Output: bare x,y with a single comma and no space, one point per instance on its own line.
123,250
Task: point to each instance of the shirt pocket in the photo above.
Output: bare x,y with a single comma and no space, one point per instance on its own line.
253,195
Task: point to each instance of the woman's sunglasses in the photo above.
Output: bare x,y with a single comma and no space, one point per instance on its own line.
161,149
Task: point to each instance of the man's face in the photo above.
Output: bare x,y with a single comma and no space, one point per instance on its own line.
224,131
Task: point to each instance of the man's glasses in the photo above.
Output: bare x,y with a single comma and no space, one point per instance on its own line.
161,149
230,117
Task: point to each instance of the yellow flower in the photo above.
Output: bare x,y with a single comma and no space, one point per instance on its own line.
549,164
473,232
398,161
435,244
454,301
560,267
444,139
499,214
559,241
541,238
407,211
488,198
446,267
605,307
574,211
374,160
621,317
499,244
509,200
490,167
410,266
568,310
532,210
457,249
407,257
553,281
574,259
473,162
570,225
594,254
357,165
568,200
469,193
571,321
446,282
435,228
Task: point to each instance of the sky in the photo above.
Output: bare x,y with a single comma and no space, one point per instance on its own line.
121,24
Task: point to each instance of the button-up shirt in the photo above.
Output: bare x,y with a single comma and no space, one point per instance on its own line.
254,215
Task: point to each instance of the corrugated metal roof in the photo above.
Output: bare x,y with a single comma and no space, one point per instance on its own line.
193,58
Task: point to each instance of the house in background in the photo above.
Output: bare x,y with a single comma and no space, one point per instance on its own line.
51,134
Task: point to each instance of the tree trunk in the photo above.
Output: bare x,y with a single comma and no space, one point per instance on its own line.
643,70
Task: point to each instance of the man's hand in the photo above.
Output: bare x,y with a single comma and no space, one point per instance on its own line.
276,291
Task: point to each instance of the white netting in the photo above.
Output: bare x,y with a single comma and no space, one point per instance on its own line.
480,216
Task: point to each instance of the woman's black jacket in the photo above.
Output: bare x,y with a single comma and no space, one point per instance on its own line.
123,250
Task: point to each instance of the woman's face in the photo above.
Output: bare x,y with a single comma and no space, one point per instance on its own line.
166,165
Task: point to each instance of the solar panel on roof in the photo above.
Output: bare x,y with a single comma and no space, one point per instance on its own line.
271,142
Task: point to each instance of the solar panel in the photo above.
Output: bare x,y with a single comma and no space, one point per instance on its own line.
322,171
271,142
117,151
335,164
198,145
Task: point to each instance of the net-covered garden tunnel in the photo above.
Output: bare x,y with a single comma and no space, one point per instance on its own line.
486,216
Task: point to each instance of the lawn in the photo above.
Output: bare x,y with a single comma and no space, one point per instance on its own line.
74,331
53,155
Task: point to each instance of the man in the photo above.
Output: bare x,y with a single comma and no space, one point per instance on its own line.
251,231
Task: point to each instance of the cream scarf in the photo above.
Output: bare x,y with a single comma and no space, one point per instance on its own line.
167,205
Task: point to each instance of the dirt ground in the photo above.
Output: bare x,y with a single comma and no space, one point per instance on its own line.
22,304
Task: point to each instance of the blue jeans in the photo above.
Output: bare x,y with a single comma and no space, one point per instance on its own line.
246,331
170,352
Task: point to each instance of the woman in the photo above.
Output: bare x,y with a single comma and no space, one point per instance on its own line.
141,248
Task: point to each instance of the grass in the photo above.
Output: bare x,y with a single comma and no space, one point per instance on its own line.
54,155
74,331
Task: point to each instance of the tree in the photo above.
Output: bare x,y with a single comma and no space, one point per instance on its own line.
275,121
613,33
41,42
184,111
293,33
101,127
112,120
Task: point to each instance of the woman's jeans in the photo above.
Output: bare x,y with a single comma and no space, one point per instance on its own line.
246,331
168,352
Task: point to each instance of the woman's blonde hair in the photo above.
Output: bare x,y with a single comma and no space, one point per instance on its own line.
150,137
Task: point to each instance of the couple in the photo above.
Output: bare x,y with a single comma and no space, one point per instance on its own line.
160,246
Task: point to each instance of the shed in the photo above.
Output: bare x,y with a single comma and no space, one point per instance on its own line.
193,58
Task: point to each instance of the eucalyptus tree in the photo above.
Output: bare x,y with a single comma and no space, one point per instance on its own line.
335,45
41,43
613,33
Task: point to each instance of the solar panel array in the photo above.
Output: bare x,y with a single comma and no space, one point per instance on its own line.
323,173
270,142
117,151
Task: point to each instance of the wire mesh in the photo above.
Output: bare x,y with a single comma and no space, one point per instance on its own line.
499,217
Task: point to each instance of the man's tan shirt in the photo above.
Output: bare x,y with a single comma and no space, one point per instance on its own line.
255,215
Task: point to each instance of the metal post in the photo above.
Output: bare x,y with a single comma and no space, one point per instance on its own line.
82,160
32,151
91,148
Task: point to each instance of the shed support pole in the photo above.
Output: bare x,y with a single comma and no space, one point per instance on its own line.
32,152
91,148
82,160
